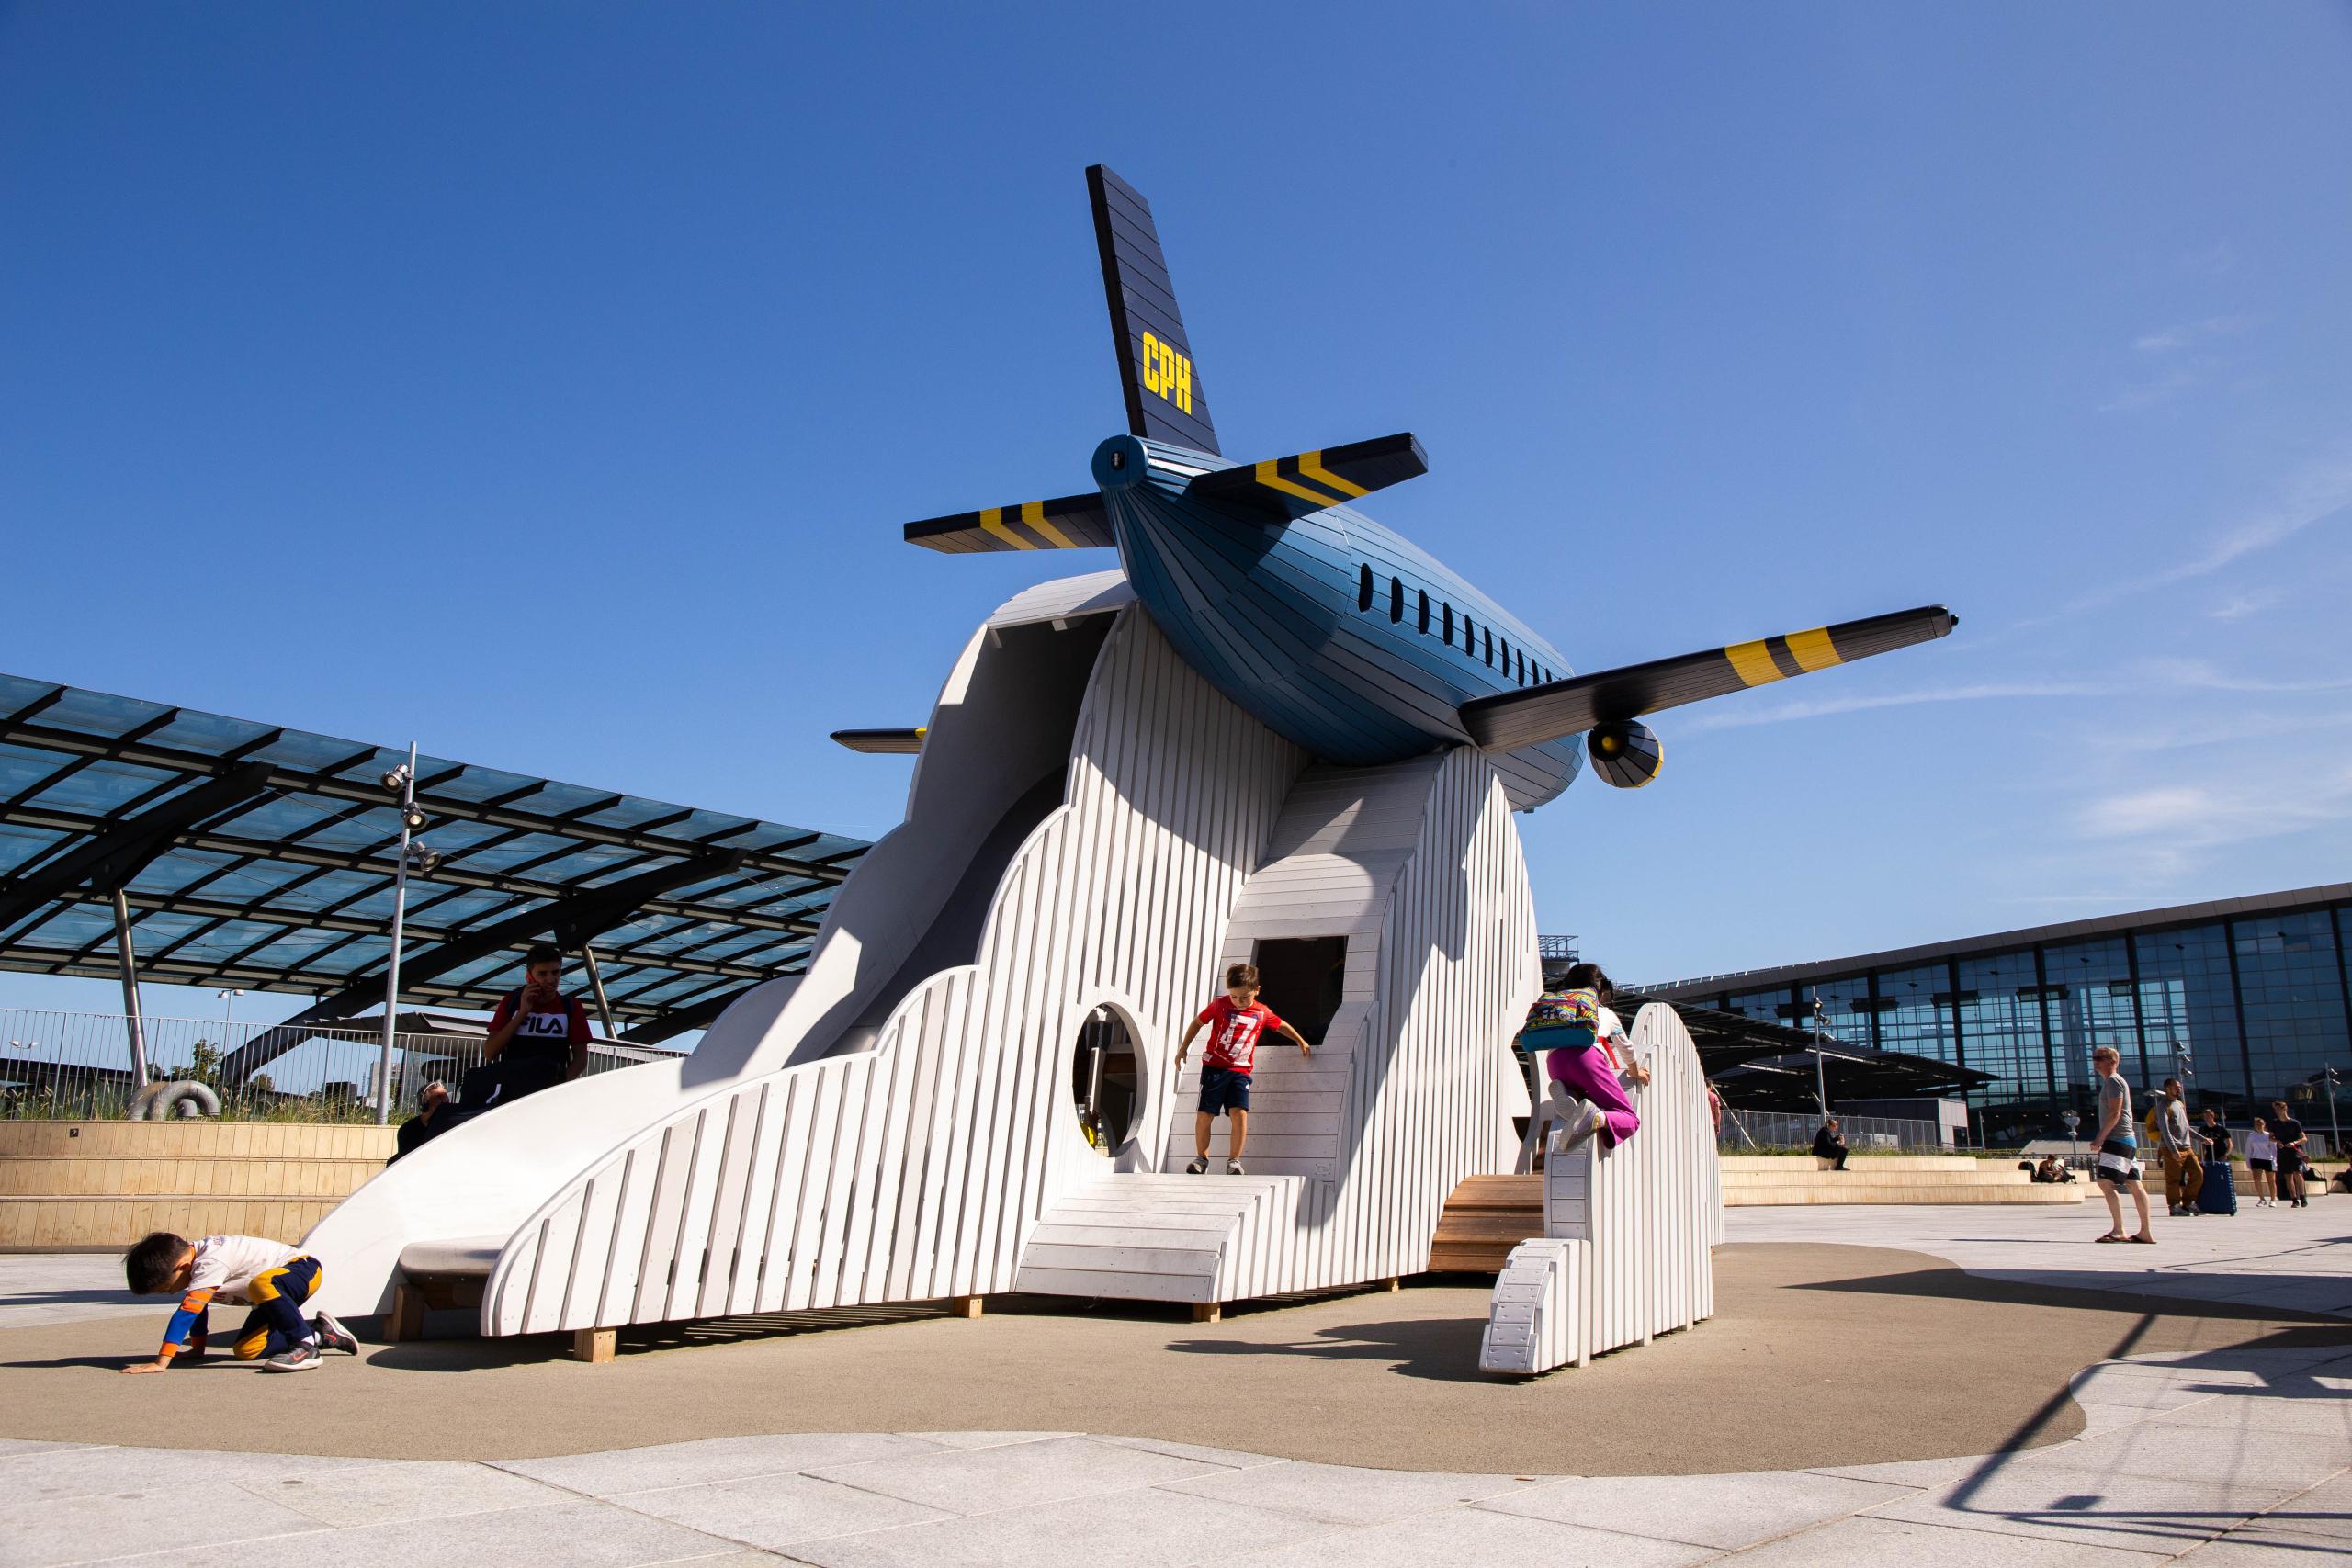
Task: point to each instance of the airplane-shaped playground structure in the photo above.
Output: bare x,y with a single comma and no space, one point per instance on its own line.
1278,733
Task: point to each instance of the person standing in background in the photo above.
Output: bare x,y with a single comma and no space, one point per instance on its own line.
2289,1134
2261,1164
538,1023
2184,1172
2116,1166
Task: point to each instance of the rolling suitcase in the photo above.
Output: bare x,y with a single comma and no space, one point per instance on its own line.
2218,1196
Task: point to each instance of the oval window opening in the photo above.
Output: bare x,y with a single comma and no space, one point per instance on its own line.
1105,1079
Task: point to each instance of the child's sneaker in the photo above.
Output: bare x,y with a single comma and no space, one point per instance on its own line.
334,1335
301,1358
1233,1167
1587,1121
1198,1168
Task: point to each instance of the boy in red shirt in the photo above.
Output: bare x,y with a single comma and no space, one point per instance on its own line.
1237,1021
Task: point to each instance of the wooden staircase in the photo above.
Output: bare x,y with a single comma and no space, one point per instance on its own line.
1487,1216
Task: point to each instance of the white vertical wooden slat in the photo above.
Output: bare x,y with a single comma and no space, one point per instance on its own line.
617,1288
729,1199
817,1147
759,1198
660,1217
597,1202
697,1211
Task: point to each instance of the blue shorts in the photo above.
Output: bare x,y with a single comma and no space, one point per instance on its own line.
1222,1088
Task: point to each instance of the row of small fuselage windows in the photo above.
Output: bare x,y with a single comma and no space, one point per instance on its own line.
1477,641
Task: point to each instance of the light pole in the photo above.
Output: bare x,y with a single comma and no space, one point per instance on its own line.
2328,1080
227,1014
1820,1076
403,780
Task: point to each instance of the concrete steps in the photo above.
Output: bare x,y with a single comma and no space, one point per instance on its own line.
1488,1215
1758,1180
87,1184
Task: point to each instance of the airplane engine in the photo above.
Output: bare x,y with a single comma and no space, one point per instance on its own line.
1626,754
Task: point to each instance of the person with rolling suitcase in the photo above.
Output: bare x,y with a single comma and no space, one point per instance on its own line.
2217,1194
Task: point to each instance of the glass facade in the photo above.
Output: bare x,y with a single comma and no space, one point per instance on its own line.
2246,1010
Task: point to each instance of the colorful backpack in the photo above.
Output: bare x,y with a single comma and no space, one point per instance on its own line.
1561,1021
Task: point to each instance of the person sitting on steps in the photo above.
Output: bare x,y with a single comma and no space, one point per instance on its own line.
1569,1023
1828,1145
1236,1022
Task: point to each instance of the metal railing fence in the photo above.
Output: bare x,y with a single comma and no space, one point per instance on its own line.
1747,1132
77,1066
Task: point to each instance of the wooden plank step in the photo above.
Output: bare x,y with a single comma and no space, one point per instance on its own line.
1484,1218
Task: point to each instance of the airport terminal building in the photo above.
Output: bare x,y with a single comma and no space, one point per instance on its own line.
2245,999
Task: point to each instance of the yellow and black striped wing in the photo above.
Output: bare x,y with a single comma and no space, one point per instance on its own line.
1517,719
1310,481
1073,523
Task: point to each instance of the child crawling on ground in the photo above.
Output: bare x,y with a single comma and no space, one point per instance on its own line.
1574,1026
1235,1021
272,1277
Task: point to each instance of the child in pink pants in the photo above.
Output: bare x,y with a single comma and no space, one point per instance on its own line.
1569,1024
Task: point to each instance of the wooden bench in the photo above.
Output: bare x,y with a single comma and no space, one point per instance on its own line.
449,1275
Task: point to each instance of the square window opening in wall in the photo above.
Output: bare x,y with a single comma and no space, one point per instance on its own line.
1301,978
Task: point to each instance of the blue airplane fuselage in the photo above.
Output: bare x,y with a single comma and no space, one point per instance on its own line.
1331,630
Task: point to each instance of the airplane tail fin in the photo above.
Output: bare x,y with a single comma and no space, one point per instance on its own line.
1163,389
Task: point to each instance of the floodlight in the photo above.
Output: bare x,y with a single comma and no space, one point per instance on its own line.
422,859
397,779
412,818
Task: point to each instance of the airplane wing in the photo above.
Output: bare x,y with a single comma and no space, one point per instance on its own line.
881,742
1072,523
1287,488
1517,719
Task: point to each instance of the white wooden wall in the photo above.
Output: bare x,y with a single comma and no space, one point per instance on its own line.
916,1169
1628,1236
1353,1150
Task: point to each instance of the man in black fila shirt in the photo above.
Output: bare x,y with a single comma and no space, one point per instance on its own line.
538,1027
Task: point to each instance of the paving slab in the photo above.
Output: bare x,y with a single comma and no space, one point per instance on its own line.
1727,1511
65,1287
1151,1528
2128,1512
1470,1538
1232,1458
647,1469
2254,1463
979,1481
778,1512
2264,1549
85,1526
1872,1542
1340,1495
2322,1414
577,1534
2325,1510
71,1471
396,1490
986,1439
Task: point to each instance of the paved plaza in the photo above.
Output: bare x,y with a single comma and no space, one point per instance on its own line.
2217,1457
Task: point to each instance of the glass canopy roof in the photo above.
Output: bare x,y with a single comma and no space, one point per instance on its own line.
259,857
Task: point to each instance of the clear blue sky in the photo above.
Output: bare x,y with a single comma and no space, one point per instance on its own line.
549,383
